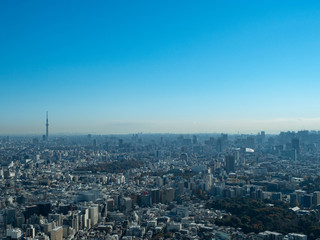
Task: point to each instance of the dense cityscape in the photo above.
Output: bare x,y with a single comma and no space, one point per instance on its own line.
169,120
160,186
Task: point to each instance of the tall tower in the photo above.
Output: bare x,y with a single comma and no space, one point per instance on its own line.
47,128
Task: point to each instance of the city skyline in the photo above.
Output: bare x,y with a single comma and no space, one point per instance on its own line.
110,67
141,128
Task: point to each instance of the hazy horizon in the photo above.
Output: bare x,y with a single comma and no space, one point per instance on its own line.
162,128
110,67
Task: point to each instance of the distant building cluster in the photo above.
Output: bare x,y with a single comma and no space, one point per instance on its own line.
149,186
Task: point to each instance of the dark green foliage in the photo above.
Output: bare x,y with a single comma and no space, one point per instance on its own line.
311,184
255,216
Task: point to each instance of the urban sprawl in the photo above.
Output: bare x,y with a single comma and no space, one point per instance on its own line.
161,186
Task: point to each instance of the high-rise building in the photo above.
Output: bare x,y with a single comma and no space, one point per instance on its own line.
230,163
31,232
296,144
145,200
57,233
307,200
167,195
220,145
294,199
316,198
44,208
55,217
94,214
250,142
84,221
127,204
194,139
155,196
11,216
110,204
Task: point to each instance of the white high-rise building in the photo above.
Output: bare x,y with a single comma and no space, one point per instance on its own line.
94,214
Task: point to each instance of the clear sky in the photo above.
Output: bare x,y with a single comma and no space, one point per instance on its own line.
159,66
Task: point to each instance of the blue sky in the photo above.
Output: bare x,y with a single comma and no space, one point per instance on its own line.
159,66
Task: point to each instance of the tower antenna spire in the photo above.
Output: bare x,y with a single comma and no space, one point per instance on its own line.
47,128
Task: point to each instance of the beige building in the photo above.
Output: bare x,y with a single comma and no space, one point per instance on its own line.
57,233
